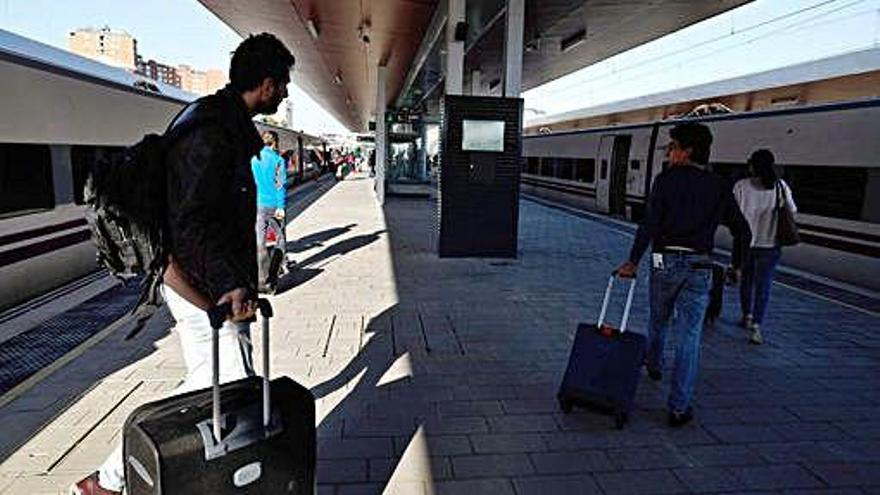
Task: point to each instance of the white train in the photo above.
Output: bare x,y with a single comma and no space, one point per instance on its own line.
830,155
60,111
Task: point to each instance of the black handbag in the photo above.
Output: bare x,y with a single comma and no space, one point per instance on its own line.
786,228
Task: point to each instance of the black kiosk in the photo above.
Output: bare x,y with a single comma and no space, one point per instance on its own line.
481,146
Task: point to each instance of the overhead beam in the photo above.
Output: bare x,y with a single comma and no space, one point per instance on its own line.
432,34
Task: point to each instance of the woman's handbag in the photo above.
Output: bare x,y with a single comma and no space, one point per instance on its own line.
786,228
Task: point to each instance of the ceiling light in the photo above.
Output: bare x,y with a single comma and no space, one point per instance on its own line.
313,28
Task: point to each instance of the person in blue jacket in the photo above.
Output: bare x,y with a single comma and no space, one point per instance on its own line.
270,175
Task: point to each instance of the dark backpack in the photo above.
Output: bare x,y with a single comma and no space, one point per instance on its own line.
126,197
126,194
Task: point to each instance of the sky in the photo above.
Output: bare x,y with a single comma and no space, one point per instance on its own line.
171,31
759,36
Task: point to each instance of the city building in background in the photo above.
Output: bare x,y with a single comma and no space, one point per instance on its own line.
201,82
118,48
106,45
158,71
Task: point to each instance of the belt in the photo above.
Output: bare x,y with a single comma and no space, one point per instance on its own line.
678,250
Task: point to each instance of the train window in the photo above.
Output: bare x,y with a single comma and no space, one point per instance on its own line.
548,165
585,170
635,164
81,159
565,169
604,170
533,165
836,192
25,178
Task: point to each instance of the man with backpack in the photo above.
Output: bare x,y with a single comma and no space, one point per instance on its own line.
209,221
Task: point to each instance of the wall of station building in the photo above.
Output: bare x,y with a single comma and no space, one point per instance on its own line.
846,88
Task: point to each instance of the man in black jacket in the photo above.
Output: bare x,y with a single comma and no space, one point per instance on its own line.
686,205
211,211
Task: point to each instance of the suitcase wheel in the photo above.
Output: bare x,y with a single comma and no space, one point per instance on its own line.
565,405
620,420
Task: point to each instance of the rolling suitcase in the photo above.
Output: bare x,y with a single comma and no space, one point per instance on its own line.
248,436
716,294
604,366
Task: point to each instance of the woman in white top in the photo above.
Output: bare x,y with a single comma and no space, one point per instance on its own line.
757,198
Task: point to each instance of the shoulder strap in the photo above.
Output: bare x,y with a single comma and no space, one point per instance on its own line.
778,188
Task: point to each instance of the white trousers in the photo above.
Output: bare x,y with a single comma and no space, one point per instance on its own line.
194,330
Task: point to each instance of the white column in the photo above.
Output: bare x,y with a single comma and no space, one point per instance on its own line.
423,152
381,137
454,49
513,48
476,83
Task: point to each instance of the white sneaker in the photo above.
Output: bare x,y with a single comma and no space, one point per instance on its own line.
756,337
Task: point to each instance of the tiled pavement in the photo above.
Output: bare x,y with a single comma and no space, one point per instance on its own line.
439,376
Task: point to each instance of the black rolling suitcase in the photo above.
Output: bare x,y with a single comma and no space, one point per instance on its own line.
716,294
604,367
265,446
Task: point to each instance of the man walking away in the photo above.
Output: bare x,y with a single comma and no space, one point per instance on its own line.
686,205
270,175
210,224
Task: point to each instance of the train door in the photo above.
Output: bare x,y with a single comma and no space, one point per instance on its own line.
619,169
603,182
611,185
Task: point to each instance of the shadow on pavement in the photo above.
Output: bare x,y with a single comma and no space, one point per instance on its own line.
317,239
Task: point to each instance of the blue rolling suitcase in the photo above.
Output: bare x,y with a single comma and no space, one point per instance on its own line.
604,367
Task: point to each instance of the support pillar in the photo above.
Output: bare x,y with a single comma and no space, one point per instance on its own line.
513,48
381,134
423,151
454,49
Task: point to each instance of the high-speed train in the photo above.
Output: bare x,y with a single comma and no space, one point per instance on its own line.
61,111
830,155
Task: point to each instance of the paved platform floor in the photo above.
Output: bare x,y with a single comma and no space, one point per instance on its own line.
439,376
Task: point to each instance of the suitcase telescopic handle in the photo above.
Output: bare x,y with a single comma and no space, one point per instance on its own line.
217,315
626,308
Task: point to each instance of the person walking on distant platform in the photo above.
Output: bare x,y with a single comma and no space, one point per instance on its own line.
210,224
759,197
686,205
270,175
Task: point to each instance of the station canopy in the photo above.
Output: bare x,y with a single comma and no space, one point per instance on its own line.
339,43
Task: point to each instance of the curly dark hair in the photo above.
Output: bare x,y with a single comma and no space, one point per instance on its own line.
258,57
695,136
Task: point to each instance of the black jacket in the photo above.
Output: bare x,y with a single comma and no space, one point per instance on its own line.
211,194
685,207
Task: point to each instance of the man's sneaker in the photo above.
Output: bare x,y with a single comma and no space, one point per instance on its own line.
756,337
746,322
677,419
89,486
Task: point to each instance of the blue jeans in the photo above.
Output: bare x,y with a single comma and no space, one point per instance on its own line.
679,294
757,277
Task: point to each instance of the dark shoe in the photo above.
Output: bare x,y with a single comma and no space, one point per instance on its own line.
90,486
655,375
677,420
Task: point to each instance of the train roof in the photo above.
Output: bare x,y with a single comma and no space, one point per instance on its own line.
33,53
827,68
